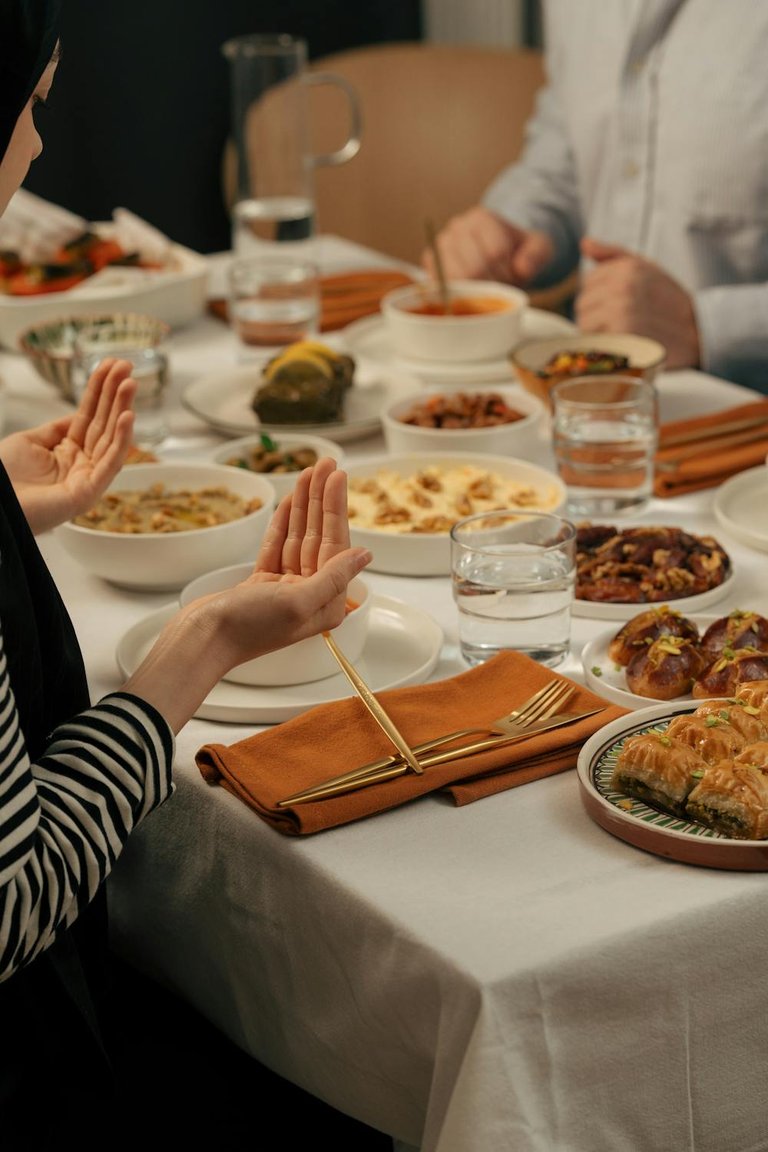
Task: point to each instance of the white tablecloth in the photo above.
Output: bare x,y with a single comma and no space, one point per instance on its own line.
503,976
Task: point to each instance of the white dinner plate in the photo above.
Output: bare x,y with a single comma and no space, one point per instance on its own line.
597,610
368,337
223,401
645,827
609,680
402,648
740,507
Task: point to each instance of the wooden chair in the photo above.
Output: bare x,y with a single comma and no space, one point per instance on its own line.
439,122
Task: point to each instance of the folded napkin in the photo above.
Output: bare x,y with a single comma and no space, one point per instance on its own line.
344,297
334,738
702,452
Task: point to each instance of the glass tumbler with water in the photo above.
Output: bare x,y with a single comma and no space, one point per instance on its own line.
513,576
605,432
273,302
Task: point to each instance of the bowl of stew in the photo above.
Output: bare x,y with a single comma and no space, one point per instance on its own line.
483,321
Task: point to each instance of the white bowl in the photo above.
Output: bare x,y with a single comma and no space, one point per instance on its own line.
299,663
426,553
282,482
454,338
175,295
519,438
159,562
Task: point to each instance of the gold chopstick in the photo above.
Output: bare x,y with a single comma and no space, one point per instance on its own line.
323,791
379,714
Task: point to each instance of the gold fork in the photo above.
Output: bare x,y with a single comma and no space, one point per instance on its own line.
326,791
539,706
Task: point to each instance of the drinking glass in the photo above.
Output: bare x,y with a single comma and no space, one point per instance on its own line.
149,369
273,302
513,576
605,432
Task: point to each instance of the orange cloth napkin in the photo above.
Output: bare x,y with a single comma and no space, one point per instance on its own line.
345,297
333,738
706,460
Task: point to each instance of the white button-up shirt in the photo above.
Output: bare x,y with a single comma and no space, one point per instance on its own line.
652,133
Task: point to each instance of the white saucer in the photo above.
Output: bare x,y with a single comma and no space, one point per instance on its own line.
598,610
403,647
368,337
223,400
740,507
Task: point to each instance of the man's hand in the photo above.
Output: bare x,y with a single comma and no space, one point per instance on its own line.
478,245
626,293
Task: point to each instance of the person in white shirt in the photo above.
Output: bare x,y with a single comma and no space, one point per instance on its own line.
646,165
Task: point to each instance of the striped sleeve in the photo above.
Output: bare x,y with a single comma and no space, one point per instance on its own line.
65,819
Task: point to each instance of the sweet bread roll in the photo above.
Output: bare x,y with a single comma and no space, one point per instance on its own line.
646,627
731,669
665,668
737,630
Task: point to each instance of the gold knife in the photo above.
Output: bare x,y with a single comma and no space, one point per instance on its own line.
323,791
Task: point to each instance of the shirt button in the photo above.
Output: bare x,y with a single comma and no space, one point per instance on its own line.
631,169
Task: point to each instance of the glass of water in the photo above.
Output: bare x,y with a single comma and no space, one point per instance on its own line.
605,433
513,576
273,302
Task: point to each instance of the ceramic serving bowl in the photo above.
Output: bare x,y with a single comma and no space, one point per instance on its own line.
166,561
175,294
299,663
518,438
486,323
530,357
279,463
50,347
401,506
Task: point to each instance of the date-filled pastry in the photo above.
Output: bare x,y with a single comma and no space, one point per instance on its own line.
738,629
733,667
732,798
664,669
646,627
658,769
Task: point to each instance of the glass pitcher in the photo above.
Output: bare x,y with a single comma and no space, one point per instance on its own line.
271,164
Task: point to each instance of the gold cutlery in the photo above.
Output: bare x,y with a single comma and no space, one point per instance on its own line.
376,710
322,792
539,706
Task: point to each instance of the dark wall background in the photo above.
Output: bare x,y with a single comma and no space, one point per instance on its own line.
139,112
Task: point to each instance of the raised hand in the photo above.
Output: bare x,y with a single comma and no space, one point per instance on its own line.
61,468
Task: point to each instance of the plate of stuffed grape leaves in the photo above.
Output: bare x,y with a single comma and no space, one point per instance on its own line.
685,780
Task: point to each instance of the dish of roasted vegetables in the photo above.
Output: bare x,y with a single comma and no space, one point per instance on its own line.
69,265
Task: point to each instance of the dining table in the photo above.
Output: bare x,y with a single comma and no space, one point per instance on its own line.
502,976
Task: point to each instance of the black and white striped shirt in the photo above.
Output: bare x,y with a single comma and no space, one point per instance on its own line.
65,819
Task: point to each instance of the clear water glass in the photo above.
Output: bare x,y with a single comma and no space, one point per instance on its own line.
513,576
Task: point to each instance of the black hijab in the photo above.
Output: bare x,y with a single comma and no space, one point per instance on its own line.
28,34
